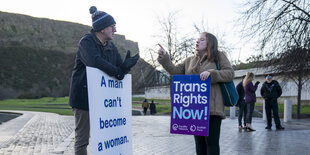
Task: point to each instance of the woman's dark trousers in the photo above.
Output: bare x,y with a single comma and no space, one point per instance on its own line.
250,109
209,145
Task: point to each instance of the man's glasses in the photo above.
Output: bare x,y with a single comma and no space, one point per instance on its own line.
113,27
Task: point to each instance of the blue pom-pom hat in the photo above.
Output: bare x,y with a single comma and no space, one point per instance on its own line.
100,19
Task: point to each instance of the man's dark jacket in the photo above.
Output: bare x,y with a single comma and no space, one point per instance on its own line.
91,53
240,91
271,90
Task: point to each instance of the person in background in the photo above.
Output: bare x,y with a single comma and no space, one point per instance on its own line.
204,63
241,105
95,50
145,106
152,108
250,98
271,91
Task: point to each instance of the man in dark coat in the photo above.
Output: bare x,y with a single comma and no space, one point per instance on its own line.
152,108
95,50
270,91
241,104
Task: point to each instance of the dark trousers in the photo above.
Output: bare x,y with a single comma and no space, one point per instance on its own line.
250,109
272,104
144,111
82,131
242,112
209,145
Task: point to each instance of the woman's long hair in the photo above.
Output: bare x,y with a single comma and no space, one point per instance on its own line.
248,78
212,47
211,53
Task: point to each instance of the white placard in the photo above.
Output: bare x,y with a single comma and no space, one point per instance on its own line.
110,113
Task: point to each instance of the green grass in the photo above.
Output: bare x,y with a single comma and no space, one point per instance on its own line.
163,109
60,105
163,106
160,101
304,109
46,104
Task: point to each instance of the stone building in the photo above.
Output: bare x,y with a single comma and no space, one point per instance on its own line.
289,88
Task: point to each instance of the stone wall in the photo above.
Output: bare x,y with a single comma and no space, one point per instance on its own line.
37,57
289,88
158,92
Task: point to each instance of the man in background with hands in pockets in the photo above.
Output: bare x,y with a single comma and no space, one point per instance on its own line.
270,91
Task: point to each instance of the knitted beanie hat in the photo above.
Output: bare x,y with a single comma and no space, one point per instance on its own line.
100,19
269,76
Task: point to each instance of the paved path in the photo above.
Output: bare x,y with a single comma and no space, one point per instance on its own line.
37,133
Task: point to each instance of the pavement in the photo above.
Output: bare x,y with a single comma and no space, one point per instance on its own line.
38,133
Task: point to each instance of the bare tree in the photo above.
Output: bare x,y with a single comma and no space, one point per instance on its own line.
178,47
222,44
151,57
277,23
283,30
152,60
293,64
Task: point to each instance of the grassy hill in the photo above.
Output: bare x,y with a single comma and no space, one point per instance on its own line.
37,56
32,73
39,33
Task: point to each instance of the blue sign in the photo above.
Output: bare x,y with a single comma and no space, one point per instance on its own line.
190,105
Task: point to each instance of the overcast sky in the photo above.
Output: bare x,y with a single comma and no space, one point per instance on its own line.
137,19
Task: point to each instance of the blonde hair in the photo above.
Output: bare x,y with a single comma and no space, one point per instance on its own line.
248,78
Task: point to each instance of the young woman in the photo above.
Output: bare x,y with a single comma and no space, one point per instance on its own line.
204,63
250,98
